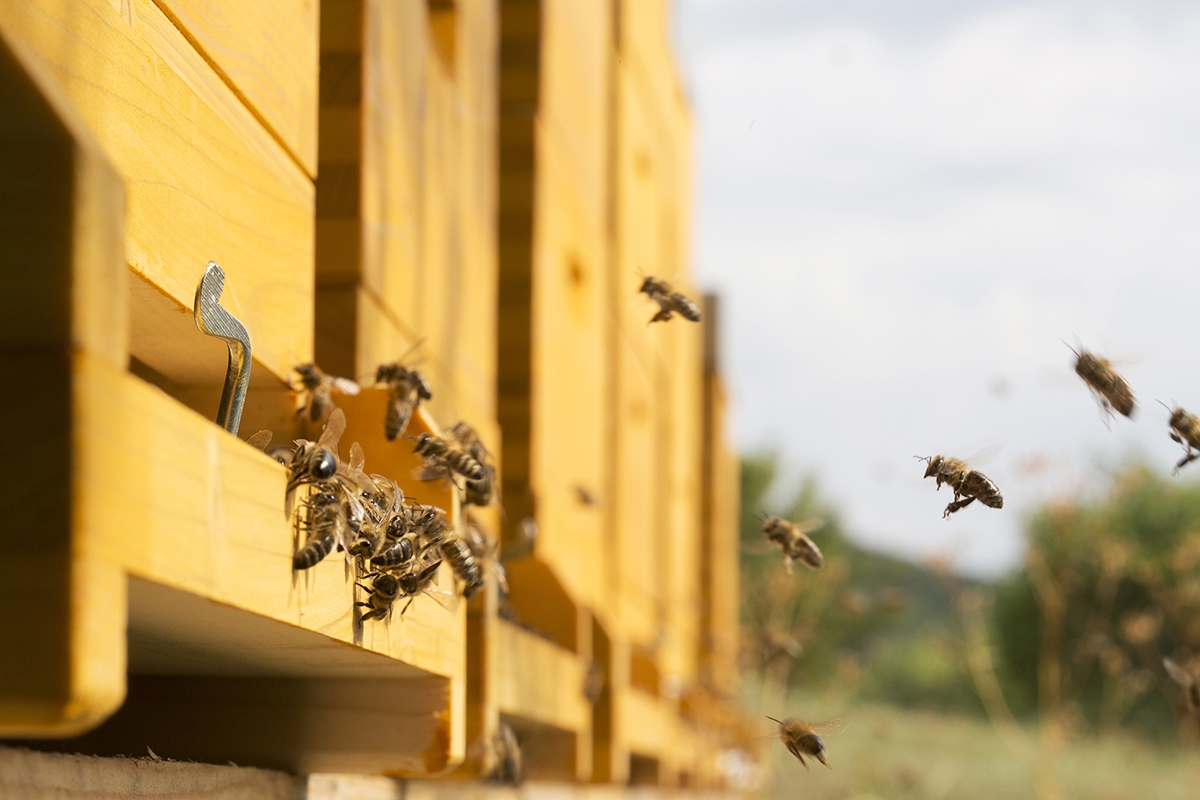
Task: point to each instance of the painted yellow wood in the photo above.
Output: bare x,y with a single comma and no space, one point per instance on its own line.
61,217
206,180
538,680
267,53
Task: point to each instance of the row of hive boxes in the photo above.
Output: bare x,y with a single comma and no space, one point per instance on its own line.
214,136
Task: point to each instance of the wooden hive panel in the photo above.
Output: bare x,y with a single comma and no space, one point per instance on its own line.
206,181
266,52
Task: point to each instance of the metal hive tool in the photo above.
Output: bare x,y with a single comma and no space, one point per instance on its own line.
214,320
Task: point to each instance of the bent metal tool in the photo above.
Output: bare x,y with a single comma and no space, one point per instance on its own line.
214,320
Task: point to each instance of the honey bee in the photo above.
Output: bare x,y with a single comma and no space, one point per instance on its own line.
406,389
382,593
314,393
794,542
669,301
480,491
1185,429
969,485
322,522
506,757
417,582
443,456
462,561
801,739
1110,389
1191,689
317,461
401,551
593,682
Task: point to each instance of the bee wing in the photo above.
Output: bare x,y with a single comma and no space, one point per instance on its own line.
345,385
831,727
501,575
811,524
447,600
1177,673
334,428
984,456
357,459
260,440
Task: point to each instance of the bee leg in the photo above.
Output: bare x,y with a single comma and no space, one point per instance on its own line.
406,605
957,505
1187,459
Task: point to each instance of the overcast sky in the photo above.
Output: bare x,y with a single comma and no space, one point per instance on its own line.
907,205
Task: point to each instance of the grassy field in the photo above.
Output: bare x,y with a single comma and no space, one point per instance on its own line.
887,752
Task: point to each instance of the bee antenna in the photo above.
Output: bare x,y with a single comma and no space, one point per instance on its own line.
1072,349
773,720
923,458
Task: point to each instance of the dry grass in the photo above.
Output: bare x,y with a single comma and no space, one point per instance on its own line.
888,752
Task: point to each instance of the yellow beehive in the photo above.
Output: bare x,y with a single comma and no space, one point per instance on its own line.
482,185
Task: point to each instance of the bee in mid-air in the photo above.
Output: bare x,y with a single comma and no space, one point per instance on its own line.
314,393
669,301
444,455
1110,389
406,389
793,541
1185,429
482,490
801,739
462,561
1191,688
968,484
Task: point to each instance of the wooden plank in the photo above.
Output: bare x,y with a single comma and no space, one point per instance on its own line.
267,53
538,680
62,219
206,181
29,775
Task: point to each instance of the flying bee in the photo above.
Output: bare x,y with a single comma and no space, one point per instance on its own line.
483,491
314,393
406,389
669,301
322,522
1185,429
1110,389
443,456
794,542
462,561
968,484
1186,679
801,739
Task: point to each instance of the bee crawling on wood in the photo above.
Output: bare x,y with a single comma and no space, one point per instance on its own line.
406,387
1110,389
321,522
801,739
669,301
1187,680
793,540
314,393
1185,429
968,484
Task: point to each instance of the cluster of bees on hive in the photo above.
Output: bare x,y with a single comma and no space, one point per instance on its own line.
394,544
1113,394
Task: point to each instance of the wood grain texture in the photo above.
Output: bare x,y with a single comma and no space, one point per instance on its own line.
29,775
555,696
267,53
61,218
206,180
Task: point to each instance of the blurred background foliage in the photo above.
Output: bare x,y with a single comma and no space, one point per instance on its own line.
1073,641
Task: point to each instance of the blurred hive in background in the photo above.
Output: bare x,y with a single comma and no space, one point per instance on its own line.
486,182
